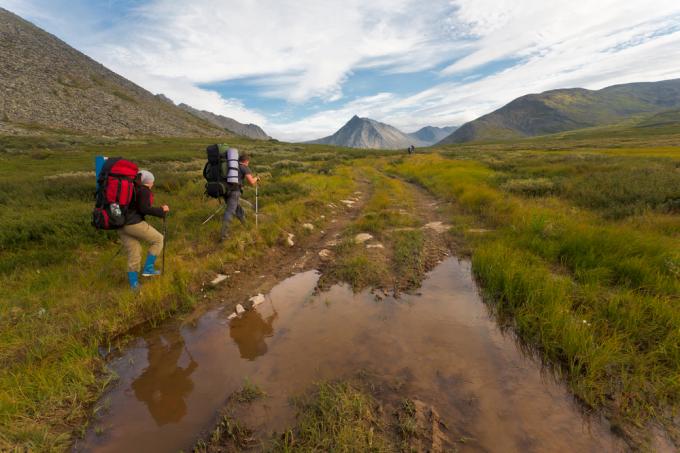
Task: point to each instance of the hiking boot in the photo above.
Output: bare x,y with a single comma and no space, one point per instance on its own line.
149,270
134,281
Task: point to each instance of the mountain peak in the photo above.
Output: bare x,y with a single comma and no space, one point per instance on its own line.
369,133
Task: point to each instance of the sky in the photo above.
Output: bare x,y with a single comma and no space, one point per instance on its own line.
302,68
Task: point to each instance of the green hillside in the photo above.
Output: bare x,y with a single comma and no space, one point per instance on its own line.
569,109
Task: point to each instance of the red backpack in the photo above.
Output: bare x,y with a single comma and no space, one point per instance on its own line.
115,192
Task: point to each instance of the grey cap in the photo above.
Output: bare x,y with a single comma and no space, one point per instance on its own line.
146,177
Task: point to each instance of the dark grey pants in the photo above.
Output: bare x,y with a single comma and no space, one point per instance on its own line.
233,209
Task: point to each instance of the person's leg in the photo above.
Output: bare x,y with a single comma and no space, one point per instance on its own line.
153,237
231,201
133,249
241,214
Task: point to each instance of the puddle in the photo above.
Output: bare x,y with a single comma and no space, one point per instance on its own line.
440,345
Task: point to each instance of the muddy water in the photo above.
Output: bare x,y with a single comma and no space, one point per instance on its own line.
440,345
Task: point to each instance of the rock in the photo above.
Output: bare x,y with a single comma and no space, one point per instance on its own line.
257,300
439,227
232,316
331,243
362,237
325,254
240,310
308,227
322,217
375,246
348,203
289,240
219,279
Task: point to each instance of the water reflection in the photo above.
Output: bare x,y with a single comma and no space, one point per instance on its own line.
164,385
249,332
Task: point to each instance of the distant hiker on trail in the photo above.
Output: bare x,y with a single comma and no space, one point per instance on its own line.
136,229
233,195
411,149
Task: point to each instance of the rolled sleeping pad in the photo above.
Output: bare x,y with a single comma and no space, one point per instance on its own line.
99,162
232,166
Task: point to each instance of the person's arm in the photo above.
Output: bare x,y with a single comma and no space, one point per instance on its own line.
144,204
248,175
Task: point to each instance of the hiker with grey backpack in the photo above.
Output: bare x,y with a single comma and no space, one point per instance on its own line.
225,173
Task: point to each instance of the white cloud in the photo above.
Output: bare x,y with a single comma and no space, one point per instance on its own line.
305,48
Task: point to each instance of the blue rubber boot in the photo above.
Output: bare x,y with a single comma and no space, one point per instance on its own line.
134,281
148,270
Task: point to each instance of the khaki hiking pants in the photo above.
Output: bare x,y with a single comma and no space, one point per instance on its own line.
130,235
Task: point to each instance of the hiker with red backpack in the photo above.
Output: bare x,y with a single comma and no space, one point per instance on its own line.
136,228
123,200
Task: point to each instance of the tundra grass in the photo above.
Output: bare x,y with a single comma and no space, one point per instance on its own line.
337,417
596,293
65,299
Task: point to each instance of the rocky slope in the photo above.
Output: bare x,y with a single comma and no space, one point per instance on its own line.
247,130
47,85
368,133
568,109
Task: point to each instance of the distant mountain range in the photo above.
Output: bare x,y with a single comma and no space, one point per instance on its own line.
432,134
368,133
247,130
46,85
569,109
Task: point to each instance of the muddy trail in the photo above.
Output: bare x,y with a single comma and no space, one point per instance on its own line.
471,386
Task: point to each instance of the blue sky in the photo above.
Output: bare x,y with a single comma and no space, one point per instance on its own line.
302,68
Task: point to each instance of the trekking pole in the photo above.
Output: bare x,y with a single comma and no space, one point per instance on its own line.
213,214
256,207
165,240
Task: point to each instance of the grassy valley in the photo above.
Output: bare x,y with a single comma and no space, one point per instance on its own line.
575,240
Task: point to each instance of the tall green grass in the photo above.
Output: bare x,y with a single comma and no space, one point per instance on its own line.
598,297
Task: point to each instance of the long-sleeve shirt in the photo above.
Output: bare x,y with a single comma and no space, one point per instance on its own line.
142,206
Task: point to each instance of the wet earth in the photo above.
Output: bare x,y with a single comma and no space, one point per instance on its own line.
438,343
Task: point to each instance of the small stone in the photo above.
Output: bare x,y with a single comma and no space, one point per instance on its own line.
219,279
348,203
375,246
362,237
289,240
232,316
257,300
478,230
240,310
322,217
308,227
332,243
237,272
439,227
325,254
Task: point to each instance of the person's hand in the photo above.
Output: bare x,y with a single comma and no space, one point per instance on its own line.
165,208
